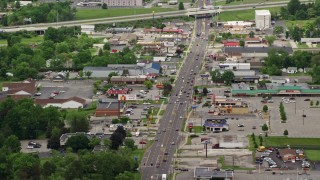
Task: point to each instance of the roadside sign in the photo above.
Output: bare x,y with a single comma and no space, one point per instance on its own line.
204,75
190,125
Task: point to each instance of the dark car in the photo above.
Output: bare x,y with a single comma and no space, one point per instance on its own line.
307,99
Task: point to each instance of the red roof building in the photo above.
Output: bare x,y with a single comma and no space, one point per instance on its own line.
231,44
116,91
71,103
19,90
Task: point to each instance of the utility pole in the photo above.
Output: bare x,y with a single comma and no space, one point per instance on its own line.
303,118
295,107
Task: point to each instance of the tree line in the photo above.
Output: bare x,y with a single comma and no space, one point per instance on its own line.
18,122
61,47
40,13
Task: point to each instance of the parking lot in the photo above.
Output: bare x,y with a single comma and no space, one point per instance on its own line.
294,111
43,148
68,89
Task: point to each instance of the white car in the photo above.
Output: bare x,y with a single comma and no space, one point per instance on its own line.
29,147
146,103
180,117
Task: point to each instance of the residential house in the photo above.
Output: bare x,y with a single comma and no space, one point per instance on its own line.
19,90
71,103
292,70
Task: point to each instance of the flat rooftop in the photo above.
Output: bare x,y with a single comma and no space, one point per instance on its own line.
200,172
263,12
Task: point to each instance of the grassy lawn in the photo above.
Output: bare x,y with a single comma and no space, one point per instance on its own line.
197,129
283,141
313,155
302,45
243,15
298,74
36,40
161,113
102,13
299,23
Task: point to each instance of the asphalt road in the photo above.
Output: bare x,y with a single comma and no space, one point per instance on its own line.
153,164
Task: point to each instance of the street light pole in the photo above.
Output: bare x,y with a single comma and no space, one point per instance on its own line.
295,107
153,18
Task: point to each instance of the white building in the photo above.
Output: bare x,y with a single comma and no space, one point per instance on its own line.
123,3
71,103
263,19
88,29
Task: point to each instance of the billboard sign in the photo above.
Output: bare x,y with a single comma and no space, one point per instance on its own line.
127,97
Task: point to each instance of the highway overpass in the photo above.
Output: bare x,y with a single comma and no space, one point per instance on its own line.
43,26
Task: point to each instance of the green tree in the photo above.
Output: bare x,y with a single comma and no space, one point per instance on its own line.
311,103
74,170
125,176
317,103
277,30
12,144
47,169
264,127
251,34
129,143
88,74
241,43
104,6
216,76
181,6
124,120
285,132
167,88
148,84
228,77
265,108
270,39
81,73
315,73
78,142
25,165
94,142
296,34
12,40
106,46
78,122
116,140
54,141
293,6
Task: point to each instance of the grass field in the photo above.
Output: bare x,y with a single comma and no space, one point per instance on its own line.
36,39
299,23
313,155
243,15
104,13
300,45
283,141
